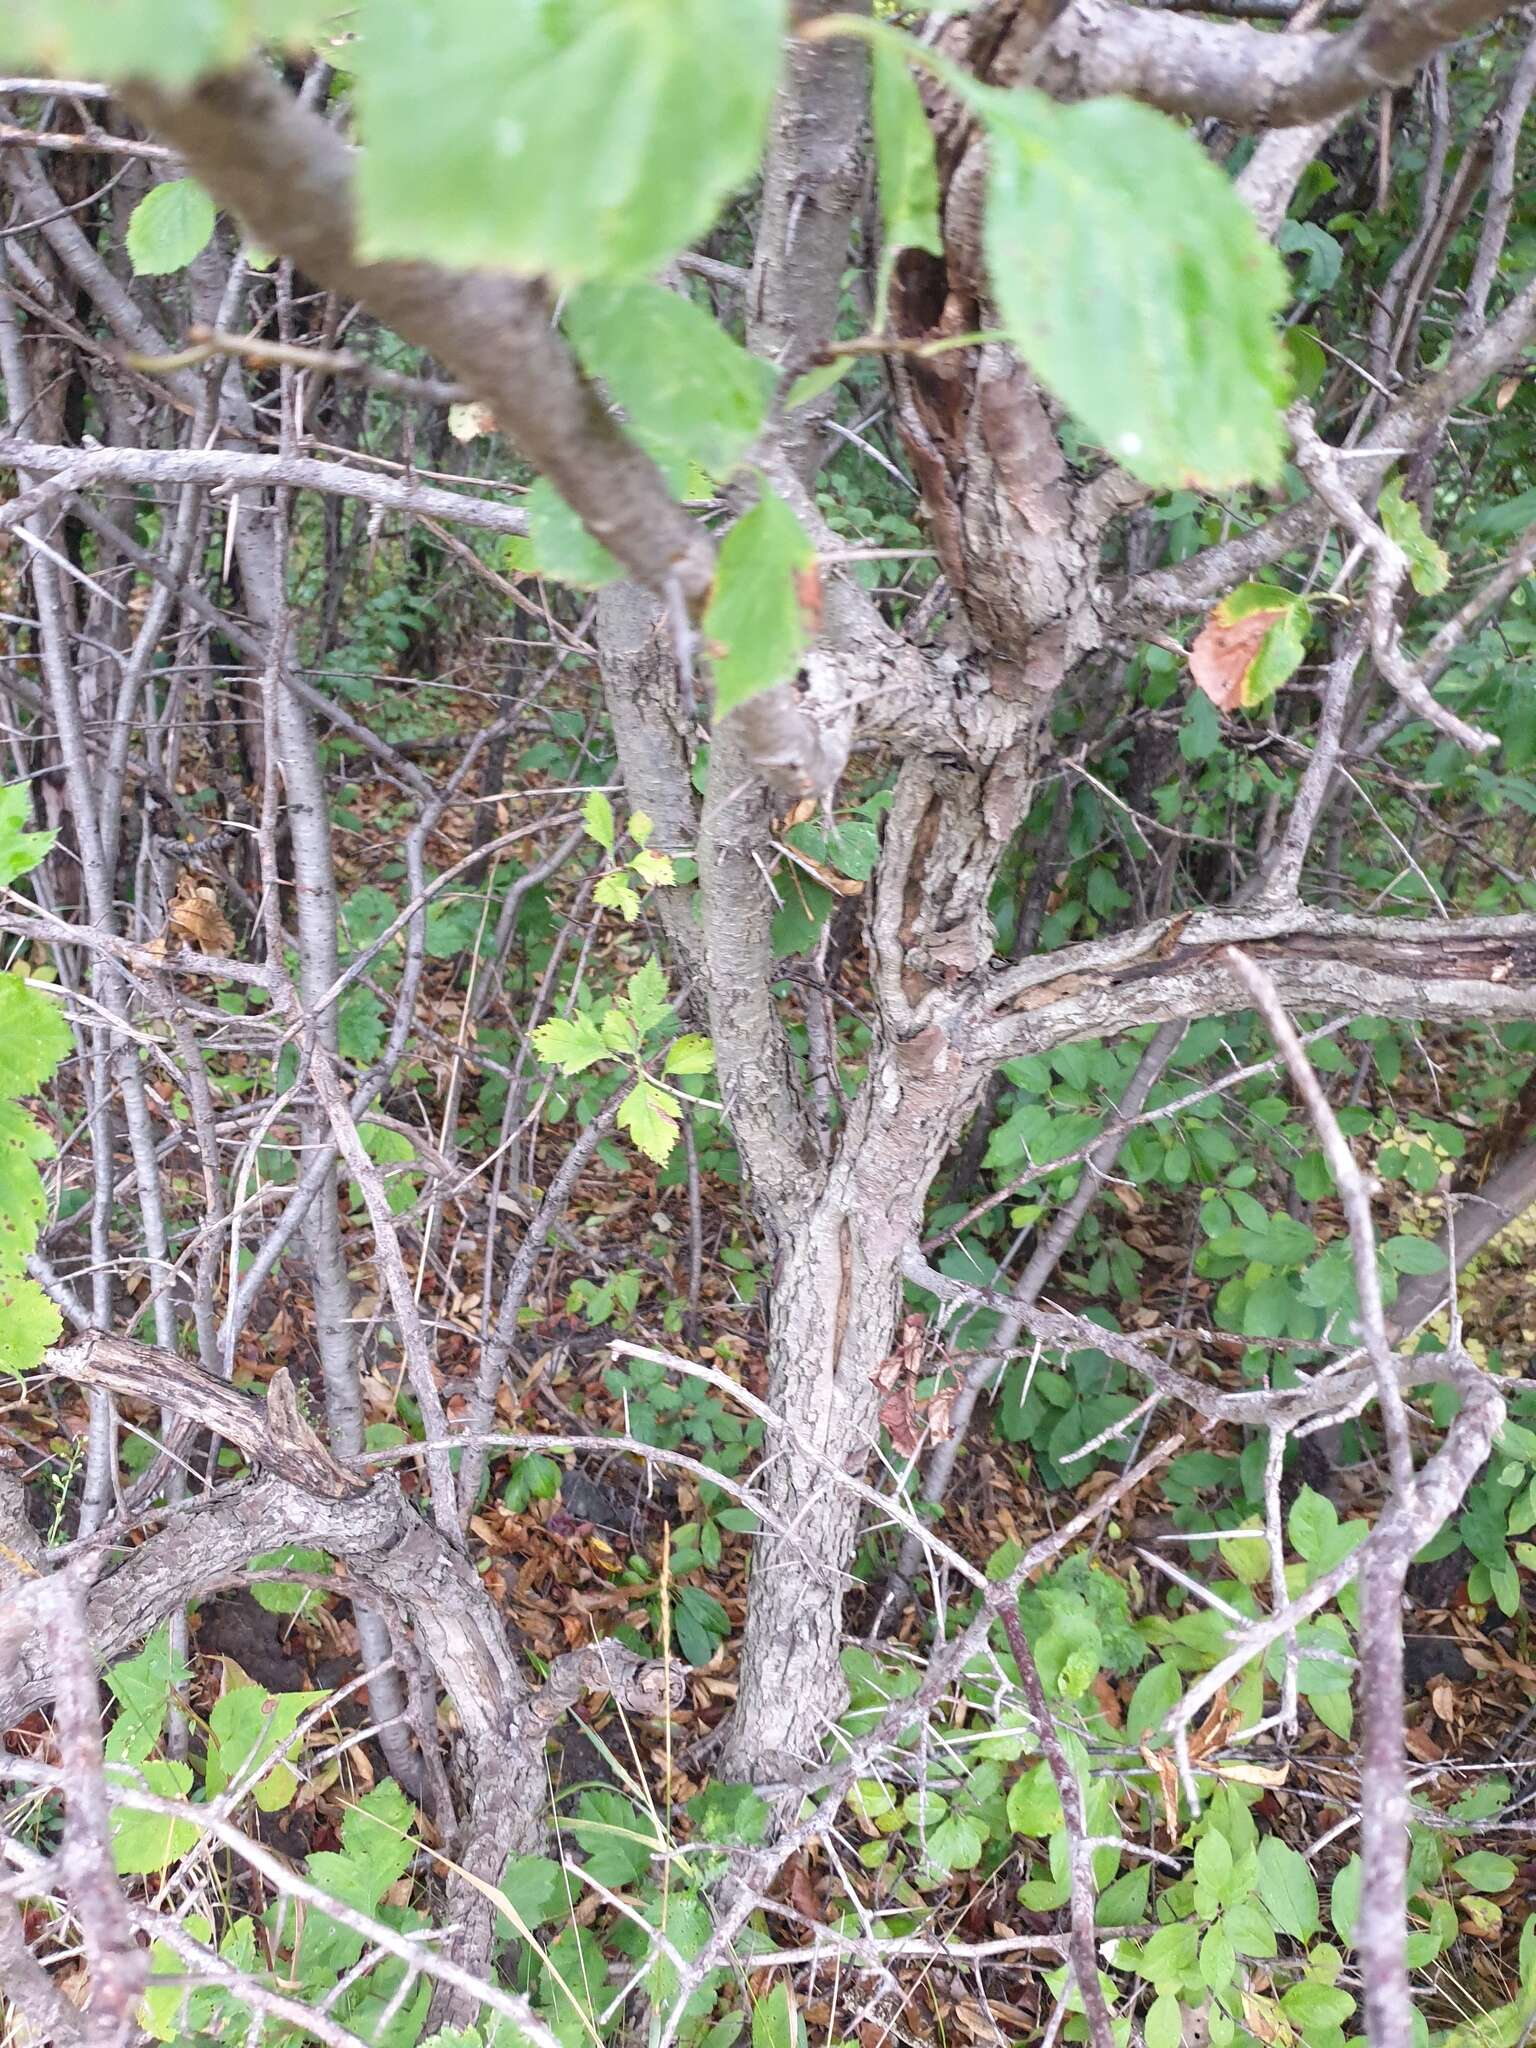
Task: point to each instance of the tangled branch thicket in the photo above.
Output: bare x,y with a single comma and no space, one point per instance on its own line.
766,1269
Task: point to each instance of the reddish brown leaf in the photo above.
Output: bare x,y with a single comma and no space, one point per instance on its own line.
898,1411
1222,655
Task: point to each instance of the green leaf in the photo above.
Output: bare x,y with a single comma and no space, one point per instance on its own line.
1312,2005
815,382
143,1686
597,819
562,546
1287,1888
20,850
247,1728
29,1322
616,1840
729,1816
34,1037
650,1000
173,41
1136,285
1344,1900
690,1054
775,2021
1307,359
691,393
654,869
754,622
1429,567
1124,1903
1157,1692
143,1842
614,893
1217,1961
651,1119
1034,1804
537,1889
1165,2022
171,224
1249,1929
906,169
580,139
570,1043
956,1843
277,1598
1486,1871
1413,1255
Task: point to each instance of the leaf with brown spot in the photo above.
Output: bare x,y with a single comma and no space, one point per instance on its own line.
1221,656
1252,642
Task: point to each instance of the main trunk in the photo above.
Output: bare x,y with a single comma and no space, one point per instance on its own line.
834,1308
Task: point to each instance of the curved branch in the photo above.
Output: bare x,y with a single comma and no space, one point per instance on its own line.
1243,74
288,175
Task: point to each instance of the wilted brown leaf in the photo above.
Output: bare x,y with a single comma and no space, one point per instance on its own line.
898,1411
193,918
1222,655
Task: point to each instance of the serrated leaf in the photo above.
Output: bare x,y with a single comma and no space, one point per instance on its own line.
689,390
247,1728
655,869
651,1117
562,546
173,41
29,1322
614,893
144,1842
171,224
906,170
650,1000
579,139
690,1054
570,1043
20,849
619,1033
34,1037
755,624
1429,567
1133,280
597,819
640,827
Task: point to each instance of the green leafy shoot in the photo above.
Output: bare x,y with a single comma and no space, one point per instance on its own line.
651,1110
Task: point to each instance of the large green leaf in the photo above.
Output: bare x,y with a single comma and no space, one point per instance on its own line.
755,624
173,41
1133,280
169,226
579,138
690,391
